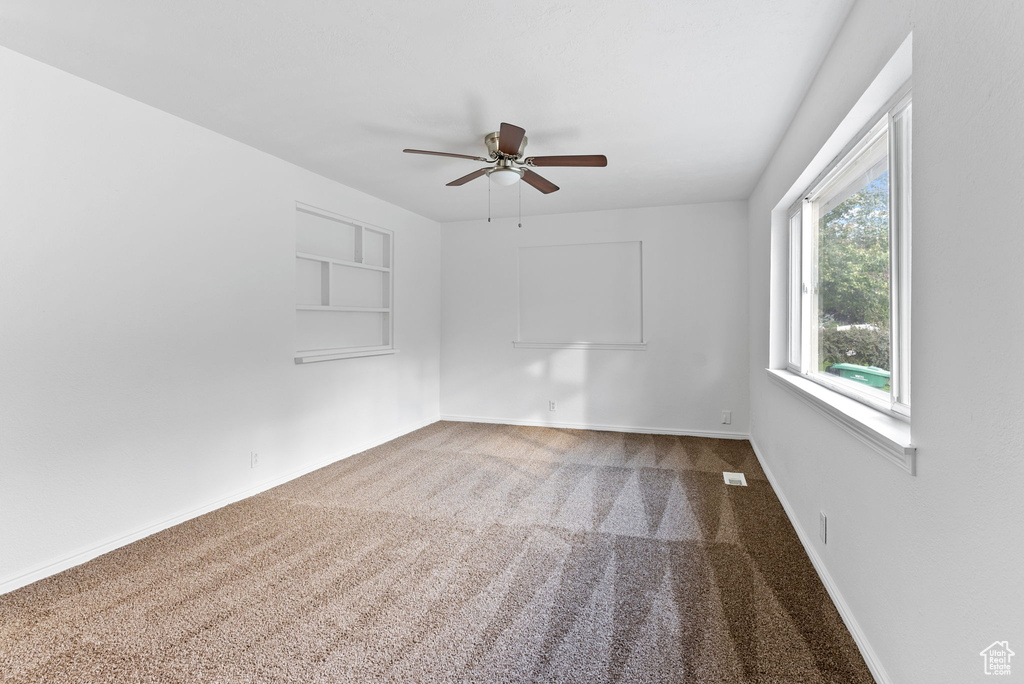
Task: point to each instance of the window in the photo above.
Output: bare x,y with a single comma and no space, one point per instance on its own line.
849,279
343,287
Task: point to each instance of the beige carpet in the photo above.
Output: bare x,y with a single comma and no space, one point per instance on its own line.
458,553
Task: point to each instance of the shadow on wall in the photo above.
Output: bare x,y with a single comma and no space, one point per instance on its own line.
564,377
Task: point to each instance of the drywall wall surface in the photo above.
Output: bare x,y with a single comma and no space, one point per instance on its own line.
148,313
694,325
928,566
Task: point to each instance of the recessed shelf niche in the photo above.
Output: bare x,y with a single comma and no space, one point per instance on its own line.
343,287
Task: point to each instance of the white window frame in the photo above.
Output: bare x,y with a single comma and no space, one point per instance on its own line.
895,119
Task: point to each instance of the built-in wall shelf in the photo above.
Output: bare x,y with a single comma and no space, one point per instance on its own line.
343,287
365,309
314,357
339,262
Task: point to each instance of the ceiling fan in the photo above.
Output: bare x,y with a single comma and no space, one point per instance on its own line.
508,166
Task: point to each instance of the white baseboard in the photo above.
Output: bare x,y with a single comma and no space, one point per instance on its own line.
868,653
82,555
590,426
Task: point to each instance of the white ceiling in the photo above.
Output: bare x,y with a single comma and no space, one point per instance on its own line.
687,98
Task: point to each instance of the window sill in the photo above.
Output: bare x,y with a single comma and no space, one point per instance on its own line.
887,435
641,346
331,355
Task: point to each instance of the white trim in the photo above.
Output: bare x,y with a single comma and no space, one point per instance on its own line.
642,335
852,389
590,426
887,435
866,651
321,355
850,158
9,584
900,159
635,346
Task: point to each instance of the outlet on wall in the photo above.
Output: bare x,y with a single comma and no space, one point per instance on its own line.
551,405
254,459
726,417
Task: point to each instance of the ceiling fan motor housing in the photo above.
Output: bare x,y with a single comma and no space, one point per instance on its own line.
491,140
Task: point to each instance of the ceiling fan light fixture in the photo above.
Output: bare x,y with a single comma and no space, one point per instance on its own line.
505,175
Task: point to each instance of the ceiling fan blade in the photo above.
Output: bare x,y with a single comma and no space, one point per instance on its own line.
570,160
468,177
447,154
510,138
539,182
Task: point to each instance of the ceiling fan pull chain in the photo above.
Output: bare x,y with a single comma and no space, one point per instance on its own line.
520,204
488,200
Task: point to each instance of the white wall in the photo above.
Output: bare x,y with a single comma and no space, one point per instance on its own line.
695,316
929,566
147,312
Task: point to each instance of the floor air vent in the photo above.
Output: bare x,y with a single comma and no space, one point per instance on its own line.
735,479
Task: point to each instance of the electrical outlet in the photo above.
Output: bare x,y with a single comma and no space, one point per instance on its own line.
823,527
254,459
551,405
726,417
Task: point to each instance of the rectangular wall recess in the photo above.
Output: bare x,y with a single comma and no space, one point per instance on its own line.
343,287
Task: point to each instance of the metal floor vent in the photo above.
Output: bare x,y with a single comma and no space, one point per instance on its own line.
735,479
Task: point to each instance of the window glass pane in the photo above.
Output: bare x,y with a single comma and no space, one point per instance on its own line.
852,264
